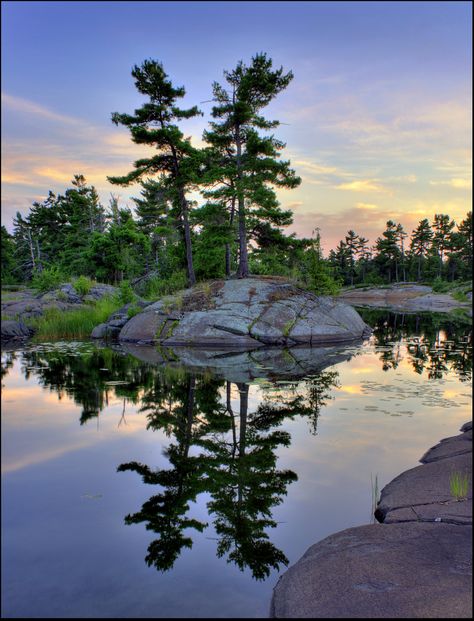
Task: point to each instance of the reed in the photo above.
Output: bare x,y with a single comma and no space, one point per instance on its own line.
375,494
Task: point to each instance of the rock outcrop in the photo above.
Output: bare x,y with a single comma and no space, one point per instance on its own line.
409,298
246,313
111,328
416,564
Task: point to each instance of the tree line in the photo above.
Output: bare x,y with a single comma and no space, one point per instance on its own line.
170,241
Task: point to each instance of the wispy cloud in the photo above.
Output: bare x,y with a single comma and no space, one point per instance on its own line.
366,206
20,105
456,182
363,185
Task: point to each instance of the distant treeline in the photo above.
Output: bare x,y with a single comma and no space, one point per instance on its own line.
169,241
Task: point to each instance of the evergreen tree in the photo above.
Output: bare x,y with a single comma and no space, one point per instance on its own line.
8,258
153,124
158,220
442,227
246,164
389,254
459,252
420,243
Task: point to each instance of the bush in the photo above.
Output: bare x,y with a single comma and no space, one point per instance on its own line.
126,294
440,286
82,285
158,287
48,279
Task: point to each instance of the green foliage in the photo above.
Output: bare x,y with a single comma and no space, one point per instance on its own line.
76,324
126,294
47,279
82,285
133,310
460,296
459,485
158,287
9,265
439,285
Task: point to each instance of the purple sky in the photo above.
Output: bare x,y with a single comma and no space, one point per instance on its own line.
377,120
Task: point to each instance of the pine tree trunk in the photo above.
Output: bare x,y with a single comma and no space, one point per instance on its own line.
227,246
32,252
187,239
243,270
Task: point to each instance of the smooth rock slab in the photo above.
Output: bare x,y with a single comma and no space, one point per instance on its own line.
413,570
245,313
425,486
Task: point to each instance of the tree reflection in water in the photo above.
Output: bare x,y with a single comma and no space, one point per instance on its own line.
435,343
218,444
234,460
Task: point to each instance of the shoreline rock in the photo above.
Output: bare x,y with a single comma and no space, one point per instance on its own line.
416,563
245,313
404,297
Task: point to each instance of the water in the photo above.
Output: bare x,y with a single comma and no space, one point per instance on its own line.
134,488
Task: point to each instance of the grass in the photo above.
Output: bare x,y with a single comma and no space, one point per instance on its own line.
458,485
460,296
375,493
76,324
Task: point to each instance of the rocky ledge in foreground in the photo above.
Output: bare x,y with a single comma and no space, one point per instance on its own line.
247,313
416,564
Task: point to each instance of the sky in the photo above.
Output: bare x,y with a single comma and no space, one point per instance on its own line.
377,120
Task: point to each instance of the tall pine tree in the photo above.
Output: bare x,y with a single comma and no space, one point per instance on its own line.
246,167
154,124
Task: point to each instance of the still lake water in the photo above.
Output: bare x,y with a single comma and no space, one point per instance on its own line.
132,489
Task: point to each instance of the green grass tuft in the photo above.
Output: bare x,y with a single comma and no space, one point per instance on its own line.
458,485
75,324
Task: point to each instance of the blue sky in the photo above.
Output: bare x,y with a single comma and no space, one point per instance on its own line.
377,120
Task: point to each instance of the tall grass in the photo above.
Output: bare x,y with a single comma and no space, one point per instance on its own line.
75,324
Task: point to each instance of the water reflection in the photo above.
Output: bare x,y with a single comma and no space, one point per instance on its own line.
434,343
229,453
221,443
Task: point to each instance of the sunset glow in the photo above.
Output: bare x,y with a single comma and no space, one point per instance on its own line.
377,120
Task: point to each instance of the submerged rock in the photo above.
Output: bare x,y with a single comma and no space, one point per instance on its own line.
245,313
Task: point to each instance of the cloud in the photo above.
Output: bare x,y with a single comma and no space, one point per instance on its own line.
455,182
18,104
366,206
363,185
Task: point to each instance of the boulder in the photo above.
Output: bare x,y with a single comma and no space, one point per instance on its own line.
381,571
245,313
15,330
416,564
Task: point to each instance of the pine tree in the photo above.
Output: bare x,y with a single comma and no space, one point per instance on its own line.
420,243
153,124
389,253
442,227
245,164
